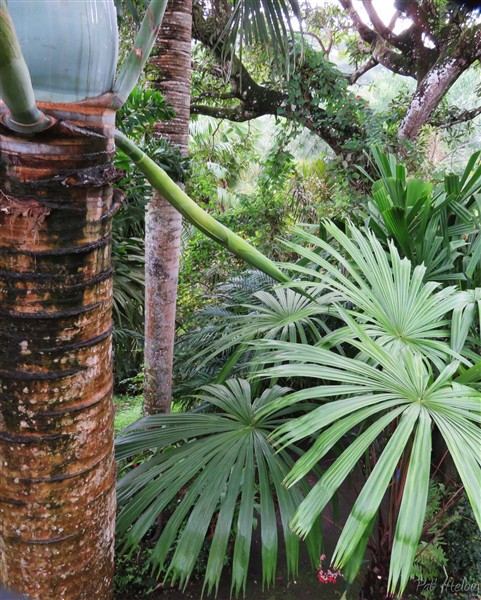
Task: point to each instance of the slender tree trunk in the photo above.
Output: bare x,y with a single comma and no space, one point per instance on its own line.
163,222
429,93
57,496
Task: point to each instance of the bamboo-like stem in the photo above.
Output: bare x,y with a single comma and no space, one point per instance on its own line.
159,179
15,84
138,56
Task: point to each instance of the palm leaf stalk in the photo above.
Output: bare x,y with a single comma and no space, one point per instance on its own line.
196,215
138,56
15,84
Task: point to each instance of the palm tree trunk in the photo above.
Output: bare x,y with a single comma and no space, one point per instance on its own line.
57,500
163,222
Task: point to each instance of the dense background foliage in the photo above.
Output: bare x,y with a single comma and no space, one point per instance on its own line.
365,367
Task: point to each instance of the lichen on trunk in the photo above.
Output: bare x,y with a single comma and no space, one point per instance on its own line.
57,469
431,89
172,67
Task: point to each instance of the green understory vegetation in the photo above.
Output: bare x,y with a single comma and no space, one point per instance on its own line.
360,367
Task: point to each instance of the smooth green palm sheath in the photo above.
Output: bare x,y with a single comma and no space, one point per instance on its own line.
15,84
159,179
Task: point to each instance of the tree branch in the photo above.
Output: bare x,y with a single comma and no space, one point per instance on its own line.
331,44
367,66
414,59
318,40
394,61
419,13
237,114
386,33
462,117
256,100
394,18
214,95
429,93
366,33
471,42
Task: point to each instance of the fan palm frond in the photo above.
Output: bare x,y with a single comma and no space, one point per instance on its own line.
398,400
224,466
282,314
392,300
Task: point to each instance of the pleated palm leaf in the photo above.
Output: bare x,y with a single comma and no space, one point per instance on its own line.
470,250
397,404
460,195
391,299
217,348
129,282
227,472
128,305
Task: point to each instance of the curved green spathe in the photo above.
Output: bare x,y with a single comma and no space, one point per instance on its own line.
196,215
15,84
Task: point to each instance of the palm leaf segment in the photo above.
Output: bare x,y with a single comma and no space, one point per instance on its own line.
226,467
282,314
392,397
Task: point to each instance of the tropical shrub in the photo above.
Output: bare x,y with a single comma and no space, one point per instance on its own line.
463,554
133,575
197,359
448,559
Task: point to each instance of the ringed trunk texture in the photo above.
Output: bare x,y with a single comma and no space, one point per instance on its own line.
57,478
172,68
